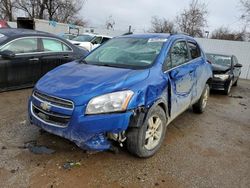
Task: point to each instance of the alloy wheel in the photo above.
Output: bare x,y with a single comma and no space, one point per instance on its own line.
153,133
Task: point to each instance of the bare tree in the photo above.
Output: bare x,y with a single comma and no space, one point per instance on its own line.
6,9
32,8
65,11
224,33
161,25
193,20
245,4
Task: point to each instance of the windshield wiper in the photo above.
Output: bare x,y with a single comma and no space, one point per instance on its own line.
111,65
83,61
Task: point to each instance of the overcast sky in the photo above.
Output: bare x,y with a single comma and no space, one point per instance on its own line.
138,13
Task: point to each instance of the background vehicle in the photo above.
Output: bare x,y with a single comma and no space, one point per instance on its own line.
67,36
129,89
226,70
26,55
89,41
4,24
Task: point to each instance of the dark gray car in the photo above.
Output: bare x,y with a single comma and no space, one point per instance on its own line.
26,55
226,71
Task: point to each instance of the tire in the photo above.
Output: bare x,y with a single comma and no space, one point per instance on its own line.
138,144
235,83
228,88
200,105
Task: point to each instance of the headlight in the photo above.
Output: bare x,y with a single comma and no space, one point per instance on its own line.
221,76
112,102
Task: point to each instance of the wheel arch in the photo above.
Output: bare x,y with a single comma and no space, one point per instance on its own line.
140,113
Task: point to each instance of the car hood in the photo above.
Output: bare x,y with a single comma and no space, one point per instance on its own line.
80,82
220,69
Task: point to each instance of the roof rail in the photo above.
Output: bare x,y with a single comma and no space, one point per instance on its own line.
180,33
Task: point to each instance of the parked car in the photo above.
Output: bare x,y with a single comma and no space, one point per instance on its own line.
129,89
226,71
4,24
26,55
67,36
89,41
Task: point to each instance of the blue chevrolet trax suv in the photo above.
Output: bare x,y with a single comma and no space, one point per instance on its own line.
127,90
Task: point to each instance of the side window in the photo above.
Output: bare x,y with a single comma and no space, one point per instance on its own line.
97,40
51,45
179,53
105,39
25,45
194,50
167,64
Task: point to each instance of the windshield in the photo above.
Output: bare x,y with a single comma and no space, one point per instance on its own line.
222,60
127,52
83,38
69,37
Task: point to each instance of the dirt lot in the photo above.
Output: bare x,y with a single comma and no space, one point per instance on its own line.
208,150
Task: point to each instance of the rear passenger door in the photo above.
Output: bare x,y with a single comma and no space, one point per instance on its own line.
55,53
180,72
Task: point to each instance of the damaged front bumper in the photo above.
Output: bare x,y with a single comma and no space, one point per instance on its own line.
218,84
87,131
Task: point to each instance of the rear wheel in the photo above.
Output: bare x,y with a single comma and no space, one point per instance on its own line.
201,104
146,140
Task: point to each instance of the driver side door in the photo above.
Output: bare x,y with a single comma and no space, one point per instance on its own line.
180,74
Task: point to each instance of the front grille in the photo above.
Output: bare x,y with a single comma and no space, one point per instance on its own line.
54,100
51,118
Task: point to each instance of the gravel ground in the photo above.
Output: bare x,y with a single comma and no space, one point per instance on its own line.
207,150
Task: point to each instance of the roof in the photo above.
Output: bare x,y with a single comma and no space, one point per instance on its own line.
9,32
147,35
229,55
97,35
158,35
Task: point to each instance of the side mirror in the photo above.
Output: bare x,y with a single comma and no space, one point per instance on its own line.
7,54
238,65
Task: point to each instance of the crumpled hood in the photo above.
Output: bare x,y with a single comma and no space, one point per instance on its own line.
80,82
219,68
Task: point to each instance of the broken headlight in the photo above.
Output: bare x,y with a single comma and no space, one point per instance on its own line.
112,102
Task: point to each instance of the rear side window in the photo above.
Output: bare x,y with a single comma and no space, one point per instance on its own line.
194,50
51,45
179,53
25,45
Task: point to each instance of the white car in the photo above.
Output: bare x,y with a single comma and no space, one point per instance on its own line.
89,41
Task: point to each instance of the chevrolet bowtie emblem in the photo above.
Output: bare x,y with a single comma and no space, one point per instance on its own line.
45,106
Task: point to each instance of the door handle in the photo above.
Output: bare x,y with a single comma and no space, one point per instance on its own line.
34,59
66,56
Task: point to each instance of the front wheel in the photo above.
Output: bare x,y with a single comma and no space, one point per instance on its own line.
146,140
228,87
201,104
235,83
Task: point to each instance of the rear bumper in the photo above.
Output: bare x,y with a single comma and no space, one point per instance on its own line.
87,131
